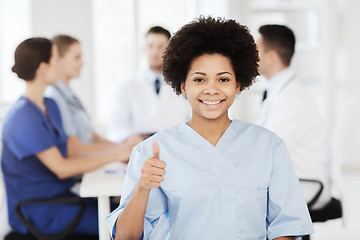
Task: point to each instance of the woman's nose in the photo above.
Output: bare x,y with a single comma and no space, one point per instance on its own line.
211,88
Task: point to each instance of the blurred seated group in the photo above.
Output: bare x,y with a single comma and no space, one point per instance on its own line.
48,139
39,160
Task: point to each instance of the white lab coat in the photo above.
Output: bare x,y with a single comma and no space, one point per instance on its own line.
291,113
137,109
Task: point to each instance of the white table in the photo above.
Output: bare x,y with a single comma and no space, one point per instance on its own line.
103,183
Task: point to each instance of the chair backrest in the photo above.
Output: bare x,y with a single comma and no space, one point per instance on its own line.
4,225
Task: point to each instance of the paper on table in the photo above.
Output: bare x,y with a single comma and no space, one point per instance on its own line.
115,167
105,181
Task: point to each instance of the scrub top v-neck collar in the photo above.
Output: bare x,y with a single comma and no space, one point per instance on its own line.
220,145
36,107
47,116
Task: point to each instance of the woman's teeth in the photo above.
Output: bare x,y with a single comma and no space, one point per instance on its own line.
211,103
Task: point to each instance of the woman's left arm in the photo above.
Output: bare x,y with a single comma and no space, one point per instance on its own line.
78,149
96,138
285,238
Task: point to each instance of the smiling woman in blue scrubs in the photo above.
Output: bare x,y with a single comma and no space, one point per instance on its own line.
214,178
38,159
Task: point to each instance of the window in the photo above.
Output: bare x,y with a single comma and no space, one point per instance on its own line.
15,26
119,34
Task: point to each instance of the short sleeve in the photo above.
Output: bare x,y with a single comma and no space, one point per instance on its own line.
28,133
157,203
287,210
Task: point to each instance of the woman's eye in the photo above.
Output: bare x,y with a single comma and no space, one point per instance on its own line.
223,79
198,80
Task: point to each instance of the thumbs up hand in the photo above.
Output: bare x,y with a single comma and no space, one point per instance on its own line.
153,170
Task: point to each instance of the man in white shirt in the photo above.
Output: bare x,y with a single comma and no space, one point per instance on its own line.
290,112
145,104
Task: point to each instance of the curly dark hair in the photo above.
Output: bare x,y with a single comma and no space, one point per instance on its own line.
207,35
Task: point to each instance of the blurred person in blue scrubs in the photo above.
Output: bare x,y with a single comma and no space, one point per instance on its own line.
143,103
213,177
38,159
289,110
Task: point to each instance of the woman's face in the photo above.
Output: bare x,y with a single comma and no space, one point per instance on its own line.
210,86
52,68
71,62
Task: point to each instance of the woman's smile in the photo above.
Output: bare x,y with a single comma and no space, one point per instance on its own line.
210,86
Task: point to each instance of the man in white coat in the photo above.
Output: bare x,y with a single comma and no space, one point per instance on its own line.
290,112
144,104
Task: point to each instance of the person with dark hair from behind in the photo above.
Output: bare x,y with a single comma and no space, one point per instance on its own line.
144,104
38,159
289,110
214,177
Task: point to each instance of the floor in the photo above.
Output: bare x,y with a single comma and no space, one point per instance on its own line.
350,228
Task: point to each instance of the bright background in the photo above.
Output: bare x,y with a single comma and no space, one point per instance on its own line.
112,37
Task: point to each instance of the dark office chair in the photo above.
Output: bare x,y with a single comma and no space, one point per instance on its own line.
332,210
35,234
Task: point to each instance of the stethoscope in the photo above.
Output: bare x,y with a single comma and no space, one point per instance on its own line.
73,102
75,106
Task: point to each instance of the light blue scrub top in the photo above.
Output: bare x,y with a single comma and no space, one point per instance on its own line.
76,120
243,188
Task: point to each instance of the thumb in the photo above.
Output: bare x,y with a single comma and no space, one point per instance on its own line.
156,150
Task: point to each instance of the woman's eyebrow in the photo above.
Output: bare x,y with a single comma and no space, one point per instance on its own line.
201,73
204,74
220,73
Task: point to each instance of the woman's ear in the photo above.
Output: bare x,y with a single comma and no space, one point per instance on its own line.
41,69
237,88
182,87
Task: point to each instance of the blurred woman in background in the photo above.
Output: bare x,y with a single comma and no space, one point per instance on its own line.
39,160
76,120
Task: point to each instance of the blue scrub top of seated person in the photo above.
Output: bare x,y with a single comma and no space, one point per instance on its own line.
26,132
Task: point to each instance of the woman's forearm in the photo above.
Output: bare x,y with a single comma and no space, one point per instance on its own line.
130,222
68,167
98,139
75,166
78,149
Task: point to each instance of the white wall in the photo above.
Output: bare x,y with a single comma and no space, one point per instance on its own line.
347,84
15,26
73,18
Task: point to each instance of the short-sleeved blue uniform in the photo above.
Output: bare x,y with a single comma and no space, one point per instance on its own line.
26,132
